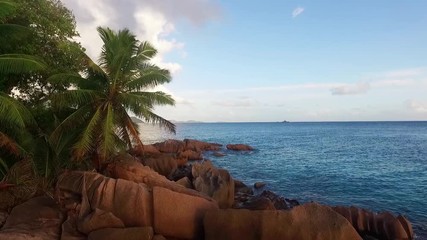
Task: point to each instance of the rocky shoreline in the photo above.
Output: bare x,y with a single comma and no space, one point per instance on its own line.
168,190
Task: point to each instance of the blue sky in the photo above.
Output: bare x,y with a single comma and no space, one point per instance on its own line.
269,61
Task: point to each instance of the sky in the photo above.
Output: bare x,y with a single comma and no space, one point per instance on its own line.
294,60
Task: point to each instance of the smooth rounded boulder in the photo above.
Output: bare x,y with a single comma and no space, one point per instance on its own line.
38,218
216,183
382,225
306,222
179,215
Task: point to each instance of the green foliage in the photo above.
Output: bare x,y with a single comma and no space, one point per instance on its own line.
46,28
103,95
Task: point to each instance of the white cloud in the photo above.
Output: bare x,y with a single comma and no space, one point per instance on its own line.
178,99
150,20
417,106
351,89
297,11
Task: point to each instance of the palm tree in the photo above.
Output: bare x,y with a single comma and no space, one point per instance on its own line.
104,93
14,116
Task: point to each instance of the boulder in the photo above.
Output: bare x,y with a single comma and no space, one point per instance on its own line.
216,183
182,171
132,170
191,155
164,164
179,215
239,147
259,185
99,219
278,201
198,146
129,201
159,237
186,182
37,218
146,150
69,229
381,225
257,203
134,233
239,184
305,222
170,146
219,154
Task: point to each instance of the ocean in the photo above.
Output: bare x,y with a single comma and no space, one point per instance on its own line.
381,166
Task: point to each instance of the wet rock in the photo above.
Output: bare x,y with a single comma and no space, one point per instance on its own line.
239,184
305,222
257,203
381,225
259,185
278,201
216,183
219,154
239,147
241,188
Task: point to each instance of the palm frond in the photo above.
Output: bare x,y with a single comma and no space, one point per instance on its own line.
20,63
151,117
12,112
149,77
146,51
6,8
69,124
65,78
13,31
108,137
77,97
88,136
146,99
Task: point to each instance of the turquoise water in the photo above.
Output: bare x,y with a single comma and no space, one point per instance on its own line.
375,165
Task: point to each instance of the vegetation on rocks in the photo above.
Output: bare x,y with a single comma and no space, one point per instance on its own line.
56,104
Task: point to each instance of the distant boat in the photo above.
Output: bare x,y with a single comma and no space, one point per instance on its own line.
285,121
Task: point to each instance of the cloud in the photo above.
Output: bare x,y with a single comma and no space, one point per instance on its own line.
178,100
150,20
417,106
351,89
297,11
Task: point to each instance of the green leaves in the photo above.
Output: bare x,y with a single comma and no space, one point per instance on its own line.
104,92
20,63
6,8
